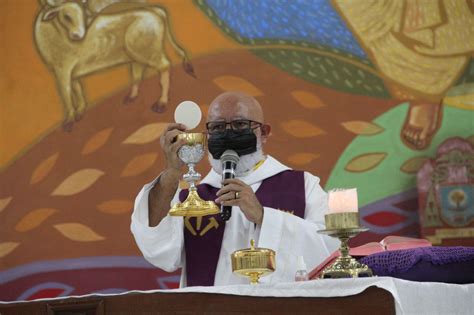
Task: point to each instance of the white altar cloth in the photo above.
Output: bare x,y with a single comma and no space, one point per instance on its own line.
410,297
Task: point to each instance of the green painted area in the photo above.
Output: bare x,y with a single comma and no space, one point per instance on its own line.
325,70
386,179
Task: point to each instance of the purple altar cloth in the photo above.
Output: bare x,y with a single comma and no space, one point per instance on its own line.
435,264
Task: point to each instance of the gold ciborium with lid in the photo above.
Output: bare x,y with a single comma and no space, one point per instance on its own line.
191,153
253,262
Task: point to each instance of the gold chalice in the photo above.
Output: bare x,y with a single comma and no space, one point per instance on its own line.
191,153
253,262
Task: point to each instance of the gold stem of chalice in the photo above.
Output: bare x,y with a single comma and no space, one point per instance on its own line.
191,153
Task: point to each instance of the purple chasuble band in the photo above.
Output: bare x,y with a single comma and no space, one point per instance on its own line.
284,191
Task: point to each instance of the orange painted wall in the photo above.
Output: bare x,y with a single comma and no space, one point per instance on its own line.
29,103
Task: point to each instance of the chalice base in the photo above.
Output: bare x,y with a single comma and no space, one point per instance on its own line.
194,206
346,267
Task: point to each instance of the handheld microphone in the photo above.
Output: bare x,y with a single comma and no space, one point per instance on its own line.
229,160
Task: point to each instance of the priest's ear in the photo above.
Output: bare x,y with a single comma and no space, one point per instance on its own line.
265,132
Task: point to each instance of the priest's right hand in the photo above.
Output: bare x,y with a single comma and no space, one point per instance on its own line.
162,193
170,146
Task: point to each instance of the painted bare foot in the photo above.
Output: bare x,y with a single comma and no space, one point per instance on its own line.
158,107
421,123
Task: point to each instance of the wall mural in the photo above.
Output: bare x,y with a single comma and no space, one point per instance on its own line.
360,93
72,48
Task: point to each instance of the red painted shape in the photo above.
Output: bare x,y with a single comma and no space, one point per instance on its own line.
172,285
46,293
385,218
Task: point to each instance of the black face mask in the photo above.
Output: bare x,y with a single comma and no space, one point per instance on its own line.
242,142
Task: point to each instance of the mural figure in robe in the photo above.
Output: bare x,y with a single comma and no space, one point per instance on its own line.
420,47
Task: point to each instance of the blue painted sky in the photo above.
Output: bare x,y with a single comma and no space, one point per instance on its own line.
314,21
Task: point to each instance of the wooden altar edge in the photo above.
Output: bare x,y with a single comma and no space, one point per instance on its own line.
372,300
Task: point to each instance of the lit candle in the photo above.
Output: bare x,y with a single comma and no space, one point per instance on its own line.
343,200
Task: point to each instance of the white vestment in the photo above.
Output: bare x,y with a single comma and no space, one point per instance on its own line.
288,235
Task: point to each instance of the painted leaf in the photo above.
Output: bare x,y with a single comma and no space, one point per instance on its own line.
233,83
301,129
302,158
139,164
78,182
4,203
34,219
78,232
412,165
307,99
365,162
43,169
7,247
146,134
362,127
97,141
115,206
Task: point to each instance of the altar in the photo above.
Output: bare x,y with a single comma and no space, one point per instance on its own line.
377,295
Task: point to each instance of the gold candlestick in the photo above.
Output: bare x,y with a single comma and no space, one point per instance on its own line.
344,225
191,153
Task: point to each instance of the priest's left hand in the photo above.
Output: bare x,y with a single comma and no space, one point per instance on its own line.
237,193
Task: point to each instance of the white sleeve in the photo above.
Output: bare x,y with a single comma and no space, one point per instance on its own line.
291,236
162,245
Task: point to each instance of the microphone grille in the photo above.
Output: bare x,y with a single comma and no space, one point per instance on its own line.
230,156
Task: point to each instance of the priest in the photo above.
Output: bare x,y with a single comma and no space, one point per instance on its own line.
278,207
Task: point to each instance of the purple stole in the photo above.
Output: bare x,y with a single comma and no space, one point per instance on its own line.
284,191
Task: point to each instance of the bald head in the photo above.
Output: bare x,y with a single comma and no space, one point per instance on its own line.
230,106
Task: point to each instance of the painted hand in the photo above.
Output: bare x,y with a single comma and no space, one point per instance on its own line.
237,193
